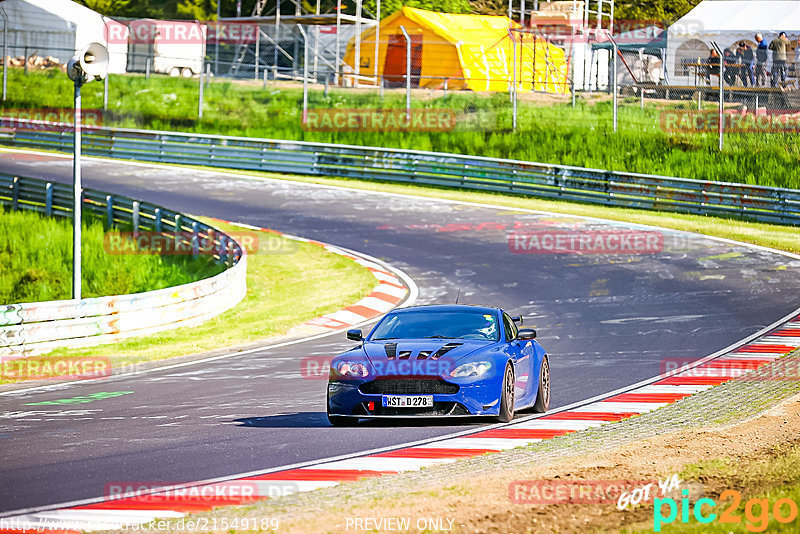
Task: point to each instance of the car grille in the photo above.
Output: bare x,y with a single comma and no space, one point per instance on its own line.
409,386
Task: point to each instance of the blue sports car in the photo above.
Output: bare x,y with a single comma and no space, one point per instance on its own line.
440,360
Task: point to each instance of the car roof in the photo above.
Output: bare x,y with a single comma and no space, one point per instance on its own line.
448,308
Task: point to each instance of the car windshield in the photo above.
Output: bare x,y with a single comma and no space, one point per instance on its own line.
462,324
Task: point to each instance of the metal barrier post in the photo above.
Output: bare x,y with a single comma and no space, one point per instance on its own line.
195,239
337,59
305,73
408,72
157,215
135,219
15,193
109,212
721,93
223,251
216,42
5,53
572,82
377,37
200,96
514,83
105,93
614,75
48,199
258,54
147,69
76,197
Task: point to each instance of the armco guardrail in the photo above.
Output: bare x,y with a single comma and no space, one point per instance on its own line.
766,204
36,327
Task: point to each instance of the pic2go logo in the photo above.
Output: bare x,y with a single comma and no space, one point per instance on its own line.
756,511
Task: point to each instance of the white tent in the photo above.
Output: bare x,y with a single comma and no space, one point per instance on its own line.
60,27
726,22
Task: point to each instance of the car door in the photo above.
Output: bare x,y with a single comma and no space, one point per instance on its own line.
521,353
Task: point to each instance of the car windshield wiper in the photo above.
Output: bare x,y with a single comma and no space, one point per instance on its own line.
437,337
384,338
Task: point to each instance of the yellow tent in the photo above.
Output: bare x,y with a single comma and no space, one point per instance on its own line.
473,52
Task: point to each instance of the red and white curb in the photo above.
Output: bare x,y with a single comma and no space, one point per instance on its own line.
388,294
173,503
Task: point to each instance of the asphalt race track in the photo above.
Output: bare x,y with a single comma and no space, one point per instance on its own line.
607,320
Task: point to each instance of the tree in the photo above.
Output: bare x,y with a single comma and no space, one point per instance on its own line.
107,7
665,11
445,6
160,9
197,9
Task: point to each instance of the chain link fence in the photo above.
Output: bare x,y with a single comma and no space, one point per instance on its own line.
484,81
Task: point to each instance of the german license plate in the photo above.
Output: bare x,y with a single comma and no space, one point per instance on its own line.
407,401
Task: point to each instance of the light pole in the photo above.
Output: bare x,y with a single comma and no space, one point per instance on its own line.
89,64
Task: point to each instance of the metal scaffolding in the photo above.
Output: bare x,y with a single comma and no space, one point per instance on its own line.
277,29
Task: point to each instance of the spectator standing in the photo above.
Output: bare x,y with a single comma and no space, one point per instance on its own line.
779,48
797,61
761,60
747,59
712,62
731,71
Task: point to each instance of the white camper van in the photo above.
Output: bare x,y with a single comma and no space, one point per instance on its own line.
171,47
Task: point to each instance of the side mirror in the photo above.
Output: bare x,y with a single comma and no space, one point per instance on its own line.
517,319
355,335
526,333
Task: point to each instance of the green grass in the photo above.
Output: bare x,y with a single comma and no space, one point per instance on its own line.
36,255
768,479
283,290
553,133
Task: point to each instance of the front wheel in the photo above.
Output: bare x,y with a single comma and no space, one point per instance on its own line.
507,396
543,395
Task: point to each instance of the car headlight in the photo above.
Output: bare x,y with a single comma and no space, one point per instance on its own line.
471,369
355,369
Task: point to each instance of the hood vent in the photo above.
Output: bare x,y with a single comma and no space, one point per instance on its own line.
444,350
392,352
